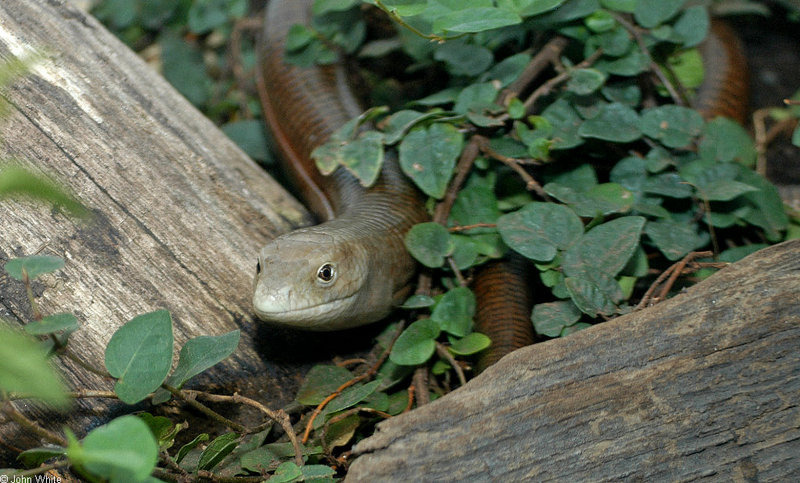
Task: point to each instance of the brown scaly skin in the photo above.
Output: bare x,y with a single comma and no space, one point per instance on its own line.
363,228
353,268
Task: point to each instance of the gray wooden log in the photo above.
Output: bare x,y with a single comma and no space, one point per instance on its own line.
704,385
179,212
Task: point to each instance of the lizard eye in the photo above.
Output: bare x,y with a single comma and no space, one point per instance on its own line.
326,273
258,267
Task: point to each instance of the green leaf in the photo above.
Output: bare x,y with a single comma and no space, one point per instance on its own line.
569,10
471,344
454,311
352,396
190,446
565,122
287,472
249,135
675,239
476,98
650,13
668,184
796,136
321,7
24,368
674,126
585,81
197,355
614,122
398,124
602,199
378,400
34,457
606,248
428,156
574,328
418,302
217,450
397,402
206,15
416,344
406,8
529,8
317,473
633,63
550,318
139,355
475,20
615,42
124,450
715,181
52,323
429,243
594,296
582,178
162,429
364,157
320,382
34,266
725,140
17,181
464,59
476,203
507,70
626,6
465,251
184,68
299,36
735,254
768,212
693,25
625,92
539,230
600,21
687,65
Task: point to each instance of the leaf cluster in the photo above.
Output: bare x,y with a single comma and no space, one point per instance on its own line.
138,358
191,42
620,181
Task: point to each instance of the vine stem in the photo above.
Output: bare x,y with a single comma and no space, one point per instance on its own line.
278,416
22,420
445,354
677,97
392,13
371,372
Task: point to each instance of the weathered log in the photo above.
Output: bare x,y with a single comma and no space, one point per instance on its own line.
179,212
705,384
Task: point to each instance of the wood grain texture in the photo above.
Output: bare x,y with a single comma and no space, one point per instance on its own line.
704,385
179,211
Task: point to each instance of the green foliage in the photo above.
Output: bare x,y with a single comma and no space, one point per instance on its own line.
52,324
416,344
16,181
216,450
25,370
139,355
32,266
197,355
625,189
191,37
124,450
601,219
